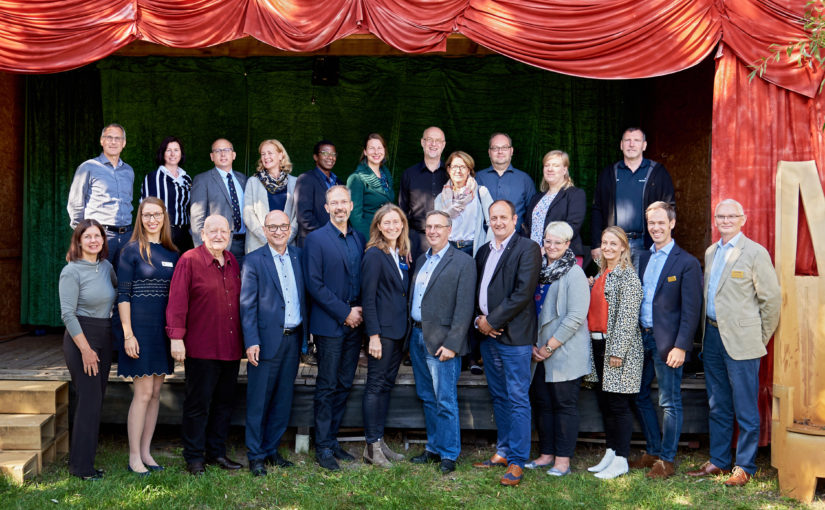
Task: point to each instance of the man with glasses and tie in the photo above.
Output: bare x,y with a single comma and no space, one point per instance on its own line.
502,180
220,191
102,190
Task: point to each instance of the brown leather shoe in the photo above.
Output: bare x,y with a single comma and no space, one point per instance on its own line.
513,476
644,462
739,478
707,469
661,469
495,461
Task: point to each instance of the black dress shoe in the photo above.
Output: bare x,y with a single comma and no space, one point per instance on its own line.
195,468
447,466
328,462
256,467
224,463
426,457
98,475
341,454
277,460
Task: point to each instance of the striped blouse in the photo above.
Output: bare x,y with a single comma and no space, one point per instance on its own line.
174,193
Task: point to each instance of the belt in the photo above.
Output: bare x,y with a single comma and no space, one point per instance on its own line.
463,244
634,235
712,322
416,324
645,330
292,331
238,237
596,335
117,230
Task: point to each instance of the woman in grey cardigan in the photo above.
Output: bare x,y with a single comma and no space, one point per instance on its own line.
271,188
562,352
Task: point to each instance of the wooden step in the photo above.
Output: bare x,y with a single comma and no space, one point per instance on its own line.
61,418
26,431
33,397
56,447
19,465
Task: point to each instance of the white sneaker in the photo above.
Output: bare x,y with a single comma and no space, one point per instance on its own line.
616,468
609,455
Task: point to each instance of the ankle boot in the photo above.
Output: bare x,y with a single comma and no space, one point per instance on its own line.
389,454
373,455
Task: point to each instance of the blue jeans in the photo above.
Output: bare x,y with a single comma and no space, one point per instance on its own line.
115,242
337,362
733,390
637,246
643,404
508,378
436,385
670,400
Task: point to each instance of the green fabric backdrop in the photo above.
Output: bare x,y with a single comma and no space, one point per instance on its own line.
246,101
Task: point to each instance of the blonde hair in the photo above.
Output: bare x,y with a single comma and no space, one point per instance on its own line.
565,160
625,259
286,163
377,237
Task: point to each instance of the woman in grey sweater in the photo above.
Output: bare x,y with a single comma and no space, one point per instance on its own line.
87,292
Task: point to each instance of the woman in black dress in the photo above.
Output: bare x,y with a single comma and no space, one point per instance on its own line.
144,272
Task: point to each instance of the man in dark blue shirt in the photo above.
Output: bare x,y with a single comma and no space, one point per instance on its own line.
502,180
311,188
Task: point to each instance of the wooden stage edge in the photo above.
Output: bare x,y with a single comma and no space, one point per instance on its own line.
41,357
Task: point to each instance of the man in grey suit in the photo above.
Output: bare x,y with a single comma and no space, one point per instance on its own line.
441,308
742,301
220,191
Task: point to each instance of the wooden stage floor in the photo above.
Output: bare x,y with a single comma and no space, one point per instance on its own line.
41,357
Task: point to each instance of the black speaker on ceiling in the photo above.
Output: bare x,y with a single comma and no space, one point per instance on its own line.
325,71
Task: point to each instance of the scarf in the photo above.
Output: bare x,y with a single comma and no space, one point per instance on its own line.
272,184
458,200
558,268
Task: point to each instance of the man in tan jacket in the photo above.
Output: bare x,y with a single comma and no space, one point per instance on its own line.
741,308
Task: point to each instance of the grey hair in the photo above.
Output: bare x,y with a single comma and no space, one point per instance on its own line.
560,229
442,214
734,203
337,187
114,125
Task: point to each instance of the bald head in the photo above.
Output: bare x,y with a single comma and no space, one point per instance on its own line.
433,143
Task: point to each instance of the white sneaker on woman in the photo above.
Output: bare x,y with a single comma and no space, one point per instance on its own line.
609,455
616,468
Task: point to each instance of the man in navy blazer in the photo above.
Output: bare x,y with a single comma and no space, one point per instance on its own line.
311,188
670,313
332,266
272,312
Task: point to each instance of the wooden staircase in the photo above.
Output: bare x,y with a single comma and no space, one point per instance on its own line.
34,426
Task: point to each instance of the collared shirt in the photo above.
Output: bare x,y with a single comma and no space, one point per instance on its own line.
101,192
513,185
720,258
330,181
422,280
175,192
289,287
238,190
489,269
651,280
350,247
204,305
419,187
630,190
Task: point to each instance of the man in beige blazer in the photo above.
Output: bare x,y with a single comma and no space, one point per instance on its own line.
741,312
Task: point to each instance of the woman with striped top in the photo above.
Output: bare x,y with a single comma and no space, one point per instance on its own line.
172,185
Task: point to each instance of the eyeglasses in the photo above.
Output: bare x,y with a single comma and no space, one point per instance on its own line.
436,228
225,150
500,148
328,154
550,242
110,138
152,216
432,140
727,217
458,168
275,228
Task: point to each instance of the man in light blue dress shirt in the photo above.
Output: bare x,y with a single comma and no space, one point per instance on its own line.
502,180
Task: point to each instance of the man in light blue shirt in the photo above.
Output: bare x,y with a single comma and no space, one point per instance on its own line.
502,180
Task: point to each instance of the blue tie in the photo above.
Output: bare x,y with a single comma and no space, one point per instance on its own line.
236,208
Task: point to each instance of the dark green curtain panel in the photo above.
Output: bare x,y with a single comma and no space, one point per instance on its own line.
250,100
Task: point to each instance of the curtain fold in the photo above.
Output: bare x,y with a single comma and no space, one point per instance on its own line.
191,23
301,25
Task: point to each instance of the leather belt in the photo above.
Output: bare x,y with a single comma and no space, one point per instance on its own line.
117,230
416,324
645,330
292,331
463,244
238,237
596,335
634,235
712,322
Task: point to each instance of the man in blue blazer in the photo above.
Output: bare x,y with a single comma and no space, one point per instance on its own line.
311,188
671,312
332,266
272,312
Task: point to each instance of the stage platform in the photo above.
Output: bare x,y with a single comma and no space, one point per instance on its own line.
41,357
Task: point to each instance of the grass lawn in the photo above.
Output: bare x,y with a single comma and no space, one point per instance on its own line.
358,486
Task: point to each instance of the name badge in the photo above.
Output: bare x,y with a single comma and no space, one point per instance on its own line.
671,278
166,263
737,274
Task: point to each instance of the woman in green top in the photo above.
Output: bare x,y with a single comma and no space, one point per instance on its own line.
371,184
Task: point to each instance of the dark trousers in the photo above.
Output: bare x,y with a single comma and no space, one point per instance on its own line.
207,407
269,393
598,362
90,390
337,361
619,422
381,375
182,237
556,413
418,243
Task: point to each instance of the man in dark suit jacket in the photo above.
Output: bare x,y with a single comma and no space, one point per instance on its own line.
670,313
441,308
272,312
332,256
311,188
220,191
508,271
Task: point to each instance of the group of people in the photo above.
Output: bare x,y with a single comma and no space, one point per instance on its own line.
473,265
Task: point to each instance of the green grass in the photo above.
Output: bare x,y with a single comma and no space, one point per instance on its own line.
359,486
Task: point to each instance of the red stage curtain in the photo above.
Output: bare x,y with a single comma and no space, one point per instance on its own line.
301,25
191,23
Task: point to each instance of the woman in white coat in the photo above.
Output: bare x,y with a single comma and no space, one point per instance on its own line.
271,188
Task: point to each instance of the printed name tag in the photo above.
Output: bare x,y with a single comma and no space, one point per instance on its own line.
671,278
166,263
737,274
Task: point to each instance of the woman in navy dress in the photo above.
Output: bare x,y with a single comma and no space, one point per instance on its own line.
144,272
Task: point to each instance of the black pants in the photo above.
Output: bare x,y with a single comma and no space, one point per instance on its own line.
90,390
207,407
381,374
601,400
619,422
337,362
555,413
182,238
